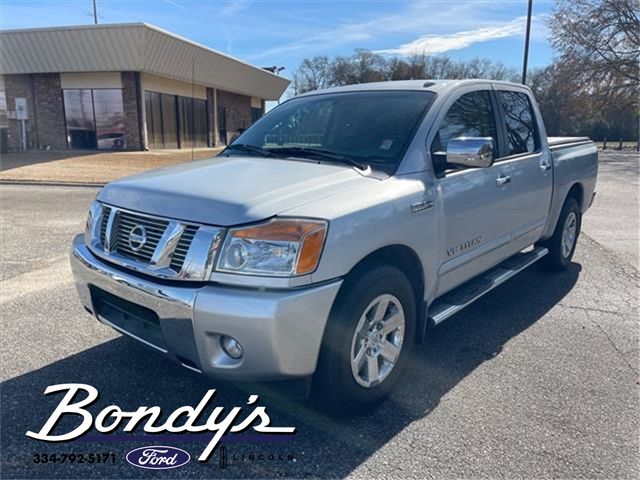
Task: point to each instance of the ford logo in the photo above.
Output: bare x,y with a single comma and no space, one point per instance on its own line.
137,237
158,458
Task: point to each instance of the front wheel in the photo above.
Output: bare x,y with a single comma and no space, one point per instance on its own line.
562,244
367,342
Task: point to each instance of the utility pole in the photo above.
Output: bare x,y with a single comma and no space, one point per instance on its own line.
95,12
526,44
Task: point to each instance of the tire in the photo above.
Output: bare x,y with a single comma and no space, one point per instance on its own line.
337,387
562,244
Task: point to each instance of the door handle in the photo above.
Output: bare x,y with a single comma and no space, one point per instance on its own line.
544,167
503,179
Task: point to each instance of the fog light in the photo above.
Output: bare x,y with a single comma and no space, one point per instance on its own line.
231,347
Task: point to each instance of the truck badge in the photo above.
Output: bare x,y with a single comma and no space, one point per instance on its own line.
137,238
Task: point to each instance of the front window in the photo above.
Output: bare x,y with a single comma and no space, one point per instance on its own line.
372,128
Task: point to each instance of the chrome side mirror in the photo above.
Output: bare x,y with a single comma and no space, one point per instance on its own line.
474,152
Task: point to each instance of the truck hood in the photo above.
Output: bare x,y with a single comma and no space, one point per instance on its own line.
231,190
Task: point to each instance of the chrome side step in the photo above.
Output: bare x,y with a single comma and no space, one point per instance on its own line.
467,293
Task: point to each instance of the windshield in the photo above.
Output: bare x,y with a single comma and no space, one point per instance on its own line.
365,127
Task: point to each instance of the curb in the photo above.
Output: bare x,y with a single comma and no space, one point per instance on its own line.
36,183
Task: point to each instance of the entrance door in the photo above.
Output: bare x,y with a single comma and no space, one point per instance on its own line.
95,118
222,124
81,126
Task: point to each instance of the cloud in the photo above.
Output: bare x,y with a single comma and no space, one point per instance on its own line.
175,4
440,26
235,6
431,44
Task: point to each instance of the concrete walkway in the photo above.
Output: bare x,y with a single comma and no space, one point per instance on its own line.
89,167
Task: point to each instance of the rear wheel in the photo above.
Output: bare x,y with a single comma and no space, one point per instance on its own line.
367,342
562,244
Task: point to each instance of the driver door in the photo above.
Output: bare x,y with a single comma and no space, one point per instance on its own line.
474,228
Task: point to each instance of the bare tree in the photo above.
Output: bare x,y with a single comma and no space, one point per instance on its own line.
312,74
600,41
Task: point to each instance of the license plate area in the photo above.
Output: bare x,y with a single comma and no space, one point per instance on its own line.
135,319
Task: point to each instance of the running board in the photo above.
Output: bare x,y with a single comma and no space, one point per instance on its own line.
467,293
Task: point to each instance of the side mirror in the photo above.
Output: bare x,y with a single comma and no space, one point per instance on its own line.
474,152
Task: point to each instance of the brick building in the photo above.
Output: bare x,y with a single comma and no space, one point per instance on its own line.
127,86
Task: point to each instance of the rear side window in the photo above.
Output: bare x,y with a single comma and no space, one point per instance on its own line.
470,116
519,122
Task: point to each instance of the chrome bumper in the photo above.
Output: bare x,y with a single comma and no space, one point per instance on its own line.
280,330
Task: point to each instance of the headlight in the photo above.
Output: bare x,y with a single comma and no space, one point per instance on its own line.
280,247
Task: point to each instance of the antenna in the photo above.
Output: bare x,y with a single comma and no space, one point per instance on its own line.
93,14
193,112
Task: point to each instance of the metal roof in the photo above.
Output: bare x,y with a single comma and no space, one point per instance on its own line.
132,47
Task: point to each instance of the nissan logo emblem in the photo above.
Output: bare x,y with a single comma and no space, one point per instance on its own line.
137,238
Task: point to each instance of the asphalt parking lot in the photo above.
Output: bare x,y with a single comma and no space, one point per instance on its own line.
538,379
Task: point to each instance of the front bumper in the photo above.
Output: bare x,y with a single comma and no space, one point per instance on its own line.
280,330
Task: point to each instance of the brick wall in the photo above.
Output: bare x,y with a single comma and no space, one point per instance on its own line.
238,111
49,114
132,104
20,86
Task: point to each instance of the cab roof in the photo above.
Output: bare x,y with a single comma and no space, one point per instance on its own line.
436,86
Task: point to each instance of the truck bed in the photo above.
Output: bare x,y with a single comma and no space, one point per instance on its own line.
561,142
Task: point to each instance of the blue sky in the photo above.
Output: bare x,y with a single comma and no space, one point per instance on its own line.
283,32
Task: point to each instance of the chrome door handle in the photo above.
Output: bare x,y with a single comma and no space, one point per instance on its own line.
502,179
544,167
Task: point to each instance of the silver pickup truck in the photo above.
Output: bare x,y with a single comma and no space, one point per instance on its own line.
331,235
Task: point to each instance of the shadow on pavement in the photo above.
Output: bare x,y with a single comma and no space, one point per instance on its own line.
130,376
33,157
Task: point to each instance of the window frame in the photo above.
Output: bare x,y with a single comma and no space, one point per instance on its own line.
496,111
503,126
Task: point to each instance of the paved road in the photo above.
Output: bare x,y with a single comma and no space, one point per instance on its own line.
538,379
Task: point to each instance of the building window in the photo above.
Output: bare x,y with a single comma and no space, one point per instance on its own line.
256,113
169,121
95,118
4,121
175,122
109,115
153,112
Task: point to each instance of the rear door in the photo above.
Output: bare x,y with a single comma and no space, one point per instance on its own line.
529,162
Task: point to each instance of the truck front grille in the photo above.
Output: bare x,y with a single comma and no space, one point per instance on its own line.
124,221
180,253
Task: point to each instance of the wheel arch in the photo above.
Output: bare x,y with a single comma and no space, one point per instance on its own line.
576,191
408,261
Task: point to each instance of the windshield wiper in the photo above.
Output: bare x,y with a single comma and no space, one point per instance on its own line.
318,152
251,149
